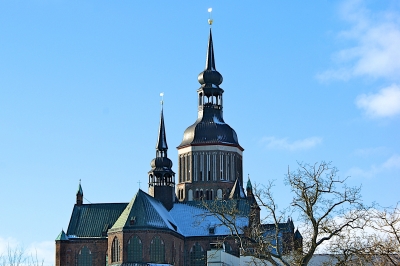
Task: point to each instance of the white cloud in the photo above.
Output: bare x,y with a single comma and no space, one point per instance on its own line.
285,144
42,251
376,51
385,103
366,152
393,163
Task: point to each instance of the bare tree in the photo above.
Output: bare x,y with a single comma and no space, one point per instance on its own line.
378,244
326,207
18,257
325,204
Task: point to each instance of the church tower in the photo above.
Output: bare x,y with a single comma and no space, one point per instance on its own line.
161,176
209,157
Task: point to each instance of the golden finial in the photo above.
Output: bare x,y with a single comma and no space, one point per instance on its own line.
162,98
210,20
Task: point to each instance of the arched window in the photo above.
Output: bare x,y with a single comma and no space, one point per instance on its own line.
219,193
135,253
115,255
157,250
85,257
197,255
190,195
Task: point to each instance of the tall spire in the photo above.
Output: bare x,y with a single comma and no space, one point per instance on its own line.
210,61
210,76
161,145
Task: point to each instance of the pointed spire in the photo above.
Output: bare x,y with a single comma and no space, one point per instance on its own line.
162,138
210,76
249,186
210,61
80,190
79,195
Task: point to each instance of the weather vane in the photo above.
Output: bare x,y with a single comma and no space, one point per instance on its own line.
210,20
162,98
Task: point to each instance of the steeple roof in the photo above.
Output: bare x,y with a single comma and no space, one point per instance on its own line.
162,138
161,163
210,77
80,190
62,236
210,62
210,127
249,186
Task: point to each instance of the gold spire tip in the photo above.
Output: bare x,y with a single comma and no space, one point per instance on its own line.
210,20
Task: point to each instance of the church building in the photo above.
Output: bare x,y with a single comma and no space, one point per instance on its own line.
170,224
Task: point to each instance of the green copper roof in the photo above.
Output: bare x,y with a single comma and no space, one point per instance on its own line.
249,186
80,190
145,211
62,236
94,220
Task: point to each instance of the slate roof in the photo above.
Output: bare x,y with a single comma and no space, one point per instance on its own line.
92,220
193,220
145,211
187,219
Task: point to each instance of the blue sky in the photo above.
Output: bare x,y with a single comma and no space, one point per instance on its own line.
79,97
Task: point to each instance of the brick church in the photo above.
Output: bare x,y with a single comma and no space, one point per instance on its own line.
170,225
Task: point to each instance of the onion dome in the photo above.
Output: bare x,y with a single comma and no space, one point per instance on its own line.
161,163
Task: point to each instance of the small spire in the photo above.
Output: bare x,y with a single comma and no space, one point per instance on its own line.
62,236
162,138
80,190
249,186
79,195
